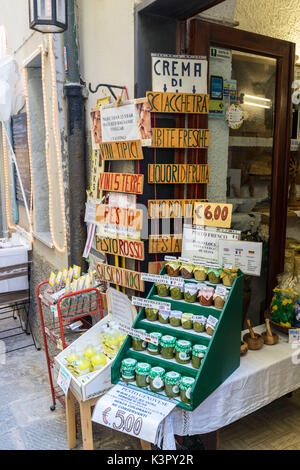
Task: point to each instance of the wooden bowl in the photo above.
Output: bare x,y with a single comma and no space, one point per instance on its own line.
244,348
254,343
270,340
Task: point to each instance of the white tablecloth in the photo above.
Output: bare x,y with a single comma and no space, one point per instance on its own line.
262,377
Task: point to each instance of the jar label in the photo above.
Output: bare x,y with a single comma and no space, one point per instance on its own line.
188,393
183,356
157,382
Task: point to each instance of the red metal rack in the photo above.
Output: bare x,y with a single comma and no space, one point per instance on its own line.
69,308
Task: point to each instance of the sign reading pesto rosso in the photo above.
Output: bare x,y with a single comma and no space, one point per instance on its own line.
121,183
171,208
120,277
165,244
178,174
180,138
178,103
128,248
131,150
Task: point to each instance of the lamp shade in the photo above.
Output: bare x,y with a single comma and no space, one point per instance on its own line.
48,16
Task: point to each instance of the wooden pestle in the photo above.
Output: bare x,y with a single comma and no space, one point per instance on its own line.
269,332
252,334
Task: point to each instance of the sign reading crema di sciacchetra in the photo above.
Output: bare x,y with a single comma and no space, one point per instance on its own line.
178,174
180,138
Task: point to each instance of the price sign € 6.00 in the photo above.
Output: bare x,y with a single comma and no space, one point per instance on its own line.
213,214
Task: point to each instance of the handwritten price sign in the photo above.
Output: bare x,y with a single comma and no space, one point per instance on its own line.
213,215
122,421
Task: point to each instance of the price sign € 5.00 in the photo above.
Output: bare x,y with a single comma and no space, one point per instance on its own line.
122,421
213,214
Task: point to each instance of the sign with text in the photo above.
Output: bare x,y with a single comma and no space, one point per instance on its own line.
179,73
120,277
147,303
178,103
246,256
165,244
178,174
180,138
108,214
127,248
131,150
213,214
121,183
64,379
156,278
97,167
147,337
171,208
126,409
118,231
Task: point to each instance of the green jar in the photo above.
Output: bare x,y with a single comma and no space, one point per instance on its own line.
214,276
167,344
157,379
142,372
199,322
163,290
163,317
153,348
128,370
151,314
198,353
172,381
176,292
175,318
183,351
185,388
190,293
187,321
139,344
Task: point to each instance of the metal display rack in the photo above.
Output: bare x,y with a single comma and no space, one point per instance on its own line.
55,321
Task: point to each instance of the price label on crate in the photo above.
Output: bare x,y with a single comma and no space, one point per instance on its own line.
157,279
64,379
146,303
132,411
213,214
147,337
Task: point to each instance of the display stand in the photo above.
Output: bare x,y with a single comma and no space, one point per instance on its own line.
223,354
69,308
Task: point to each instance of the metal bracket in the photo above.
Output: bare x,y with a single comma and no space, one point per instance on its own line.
110,88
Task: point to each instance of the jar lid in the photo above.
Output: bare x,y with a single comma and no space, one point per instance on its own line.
175,314
201,319
216,271
168,341
182,345
187,316
199,350
200,268
172,378
156,334
129,363
157,372
143,368
180,288
186,383
191,287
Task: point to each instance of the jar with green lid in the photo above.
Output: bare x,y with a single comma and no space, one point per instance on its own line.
186,385
167,344
163,290
151,314
163,316
198,353
214,275
183,351
187,321
199,322
142,372
157,379
190,292
176,292
172,381
139,344
153,348
175,318
128,370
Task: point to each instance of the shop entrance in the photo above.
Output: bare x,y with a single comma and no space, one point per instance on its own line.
249,152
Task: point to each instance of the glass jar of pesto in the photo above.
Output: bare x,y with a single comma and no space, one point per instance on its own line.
151,314
214,275
190,292
163,316
163,290
153,348
128,370
172,381
167,344
176,292
186,385
175,318
142,372
139,344
198,353
187,321
183,351
157,379
199,322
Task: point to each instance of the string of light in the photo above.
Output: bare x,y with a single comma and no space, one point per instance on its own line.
7,201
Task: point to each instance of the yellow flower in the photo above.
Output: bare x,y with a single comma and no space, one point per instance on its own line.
274,308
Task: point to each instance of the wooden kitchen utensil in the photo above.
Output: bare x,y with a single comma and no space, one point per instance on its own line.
244,348
269,337
254,340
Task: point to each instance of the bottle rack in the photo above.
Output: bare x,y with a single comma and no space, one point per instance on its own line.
222,357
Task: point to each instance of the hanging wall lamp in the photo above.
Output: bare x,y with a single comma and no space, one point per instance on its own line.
48,16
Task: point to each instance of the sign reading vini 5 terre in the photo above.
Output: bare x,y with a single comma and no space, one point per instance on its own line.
121,183
178,103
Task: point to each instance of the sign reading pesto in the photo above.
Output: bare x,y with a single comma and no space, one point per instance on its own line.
128,150
178,174
178,103
107,214
180,138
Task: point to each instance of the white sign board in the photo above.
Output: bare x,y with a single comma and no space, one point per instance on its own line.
246,256
64,379
179,73
147,303
120,309
119,123
202,244
132,411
